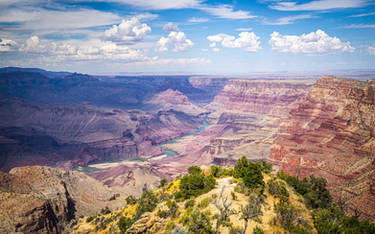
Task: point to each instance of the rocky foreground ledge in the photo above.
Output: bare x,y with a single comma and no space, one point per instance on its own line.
49,200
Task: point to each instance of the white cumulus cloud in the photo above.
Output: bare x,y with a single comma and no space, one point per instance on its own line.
317,42
371,50
176,39
78,50
7,45
171,27
247,41
34,45
127,32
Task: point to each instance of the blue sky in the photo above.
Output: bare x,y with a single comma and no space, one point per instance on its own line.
194,36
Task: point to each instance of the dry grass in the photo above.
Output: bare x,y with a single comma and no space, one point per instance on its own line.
223,184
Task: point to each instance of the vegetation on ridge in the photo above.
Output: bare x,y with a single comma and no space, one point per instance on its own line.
212,201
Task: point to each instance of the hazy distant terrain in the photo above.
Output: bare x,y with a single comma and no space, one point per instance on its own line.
129,132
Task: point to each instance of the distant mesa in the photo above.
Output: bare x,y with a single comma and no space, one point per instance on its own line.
171,96
174,99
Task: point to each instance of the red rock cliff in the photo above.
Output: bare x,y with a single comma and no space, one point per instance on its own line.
274,98
332,134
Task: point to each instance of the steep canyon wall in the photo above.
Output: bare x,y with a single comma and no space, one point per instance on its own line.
331,134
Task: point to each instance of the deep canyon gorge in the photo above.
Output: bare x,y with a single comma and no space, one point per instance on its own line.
85,142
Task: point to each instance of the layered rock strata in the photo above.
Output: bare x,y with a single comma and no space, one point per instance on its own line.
72,135
252,111
48,200
267,97
332,134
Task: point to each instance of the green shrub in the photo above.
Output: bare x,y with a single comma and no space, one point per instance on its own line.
215,171
319,196
162,214
266,167
241,188
333,220
196,221
147,203
105,211
233,181
218,171
130,200
253,177
235,230
286,214
233,194
258,230
194,170
169,227
205,202
250,173
172,206
209,183
328,218
124,223
163,182
193,185
277,188
189,203
90,218
313,190
240,168
228,171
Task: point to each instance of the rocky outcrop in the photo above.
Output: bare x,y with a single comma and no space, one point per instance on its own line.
274,98
331,134
132,179
24,213
147,222
47,200
171,96
174,99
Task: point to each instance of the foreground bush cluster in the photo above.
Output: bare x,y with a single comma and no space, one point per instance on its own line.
195,184
328,216
193,217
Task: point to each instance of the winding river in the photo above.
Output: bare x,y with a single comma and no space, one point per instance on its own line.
164,147
171,153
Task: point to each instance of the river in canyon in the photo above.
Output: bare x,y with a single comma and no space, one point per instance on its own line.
170,153
164,147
